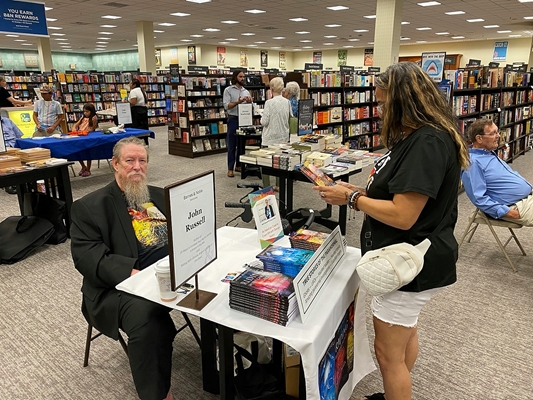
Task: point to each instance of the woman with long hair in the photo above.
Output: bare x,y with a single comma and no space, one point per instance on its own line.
88,122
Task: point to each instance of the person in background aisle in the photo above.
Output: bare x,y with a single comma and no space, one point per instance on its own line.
6,100
11,134
117,231
292,93
405,201
88,122
233,96
275,120
490,183
138,100
47,114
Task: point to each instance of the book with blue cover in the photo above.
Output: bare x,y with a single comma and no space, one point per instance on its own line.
285,260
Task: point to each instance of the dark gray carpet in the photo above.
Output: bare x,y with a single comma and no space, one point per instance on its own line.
476,338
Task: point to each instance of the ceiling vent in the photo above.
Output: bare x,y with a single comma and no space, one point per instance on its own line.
269,28
80,23
116,5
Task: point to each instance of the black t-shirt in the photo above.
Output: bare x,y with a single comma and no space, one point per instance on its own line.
425,162
4,96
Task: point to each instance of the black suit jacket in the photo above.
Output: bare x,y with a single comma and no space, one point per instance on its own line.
104,250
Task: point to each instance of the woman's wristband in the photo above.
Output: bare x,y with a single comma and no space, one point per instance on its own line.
353,198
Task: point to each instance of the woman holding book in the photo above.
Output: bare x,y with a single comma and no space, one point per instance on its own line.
138,99
275,119
88,123
406,201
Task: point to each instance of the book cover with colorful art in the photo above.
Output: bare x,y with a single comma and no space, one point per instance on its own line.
266,215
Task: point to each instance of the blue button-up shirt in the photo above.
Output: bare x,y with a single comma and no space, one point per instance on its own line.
232,94
11,132
491,184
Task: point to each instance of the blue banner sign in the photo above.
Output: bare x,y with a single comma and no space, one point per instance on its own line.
23,18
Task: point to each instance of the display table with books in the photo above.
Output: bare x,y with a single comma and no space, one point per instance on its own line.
94,146
333,342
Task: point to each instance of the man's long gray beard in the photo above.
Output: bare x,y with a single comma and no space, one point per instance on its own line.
136,194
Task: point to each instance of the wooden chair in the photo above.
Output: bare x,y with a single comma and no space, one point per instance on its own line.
479,217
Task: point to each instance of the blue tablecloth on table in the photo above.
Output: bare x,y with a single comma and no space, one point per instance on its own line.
94,146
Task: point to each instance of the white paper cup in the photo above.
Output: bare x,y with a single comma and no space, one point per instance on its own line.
162,273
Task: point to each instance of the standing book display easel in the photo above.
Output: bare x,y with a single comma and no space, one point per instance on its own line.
2,141
191,233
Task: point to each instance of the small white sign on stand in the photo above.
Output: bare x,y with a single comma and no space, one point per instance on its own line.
312,279
266,215
123,113
2,140
245,114
191,233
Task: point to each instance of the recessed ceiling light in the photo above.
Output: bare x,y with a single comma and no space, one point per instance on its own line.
101,42
525,1
306,41
337,8
255,11
229,21
528,17
405,38
12,35
166,24
302,32
421,41
277,47
99,49
180,14
406,23
353,40
369,16
26,44
442,33
506,31
135,45
211,30
66,46
186,40
296,49
425,28
54,27
370,42
158,31
51,19
199,1
429,4
332,25
105,33
48,8
491,26
251,45
57,34
60,39
196,35
20,40
458,37
360,30
108,26
307,47
328,44
103,38
247,34
475,20
229,39
515,35
330,36
155,37
260,42
454,12
223,42
348,47
278,37
111,16
299,19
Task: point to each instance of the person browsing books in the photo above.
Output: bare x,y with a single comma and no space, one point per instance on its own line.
88,123
117,231
275,120
292,93
233,96
405,201
138,99
6,100
11,134
490,183
47,114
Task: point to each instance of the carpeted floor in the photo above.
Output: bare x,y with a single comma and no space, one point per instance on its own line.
476,338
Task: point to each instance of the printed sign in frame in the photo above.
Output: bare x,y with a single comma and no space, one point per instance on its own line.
500,51
433,64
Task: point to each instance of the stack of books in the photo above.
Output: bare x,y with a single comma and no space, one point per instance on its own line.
285,260
9,162
264,294
308,240
34,154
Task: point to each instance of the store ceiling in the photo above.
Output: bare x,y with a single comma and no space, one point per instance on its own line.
81,22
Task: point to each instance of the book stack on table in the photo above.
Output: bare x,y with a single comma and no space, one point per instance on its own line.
264,294
285,260
308,240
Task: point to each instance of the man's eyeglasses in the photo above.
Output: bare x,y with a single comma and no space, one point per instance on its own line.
494,133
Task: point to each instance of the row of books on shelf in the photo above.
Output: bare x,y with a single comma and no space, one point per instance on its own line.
195,82
156,104
152,112
176,105
331,115
361,128
157,120
336,79
207,102
155,95
353,97
329,130
78,107
175,91
356,113
326,98
38,78
212,128
204,93
463,105
207,113
153,87
365,142
486,77
95,87
199,145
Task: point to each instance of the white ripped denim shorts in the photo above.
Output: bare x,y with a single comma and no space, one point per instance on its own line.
401,308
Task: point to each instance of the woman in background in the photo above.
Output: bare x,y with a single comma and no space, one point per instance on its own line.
88,122
275,119
137,99
292,93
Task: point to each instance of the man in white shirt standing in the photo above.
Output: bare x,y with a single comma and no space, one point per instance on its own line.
233,96
47,114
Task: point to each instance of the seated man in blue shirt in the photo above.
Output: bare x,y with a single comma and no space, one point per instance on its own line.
490,183
11,134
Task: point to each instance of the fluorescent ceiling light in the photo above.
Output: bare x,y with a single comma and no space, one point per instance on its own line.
57,34
353,40
525,1
442,33
108,26
186,40
405,38
360,30
370,42
101,42
67,46
406,23
277,47
306,41
348,47
454,12
60,39
255,11
260,42
299,19
51,19
199,1
12,35
369,16
26,44
429,4
166,24
332,25
458,37
135,45
491,26
296,49
231,38
337,8
111,16
421,41
48,8
20,40
302,32
330,36
158,31
528,17
196,35
99,49
180,14
515,35
506,31
251,45
211,30
247,34
425,28
229,21
103,38
328,44
307,47
105,33
223,42
54,27
475,20
278,37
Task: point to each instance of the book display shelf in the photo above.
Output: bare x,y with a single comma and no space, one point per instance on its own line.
502,95
21,86
344,104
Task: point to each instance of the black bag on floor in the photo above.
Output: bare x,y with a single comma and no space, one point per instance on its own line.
51,209
19,236
255,380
